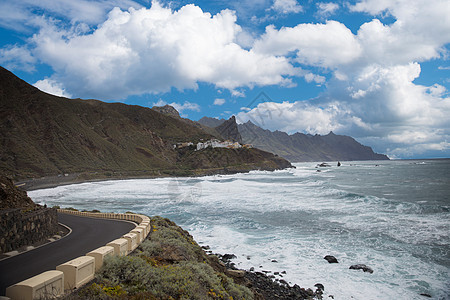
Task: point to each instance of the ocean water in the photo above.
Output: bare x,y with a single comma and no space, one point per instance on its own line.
393,216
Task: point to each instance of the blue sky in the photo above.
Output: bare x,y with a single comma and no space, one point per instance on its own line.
377,70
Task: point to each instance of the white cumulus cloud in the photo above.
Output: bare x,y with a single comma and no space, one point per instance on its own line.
326,9
17,58
21,14
219,101
52,87
287,6
326,45
152,50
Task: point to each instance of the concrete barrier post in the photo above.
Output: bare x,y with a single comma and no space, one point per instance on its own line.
100,254
140,234
77,271
147,225
144,228
120,246
46,285
132,241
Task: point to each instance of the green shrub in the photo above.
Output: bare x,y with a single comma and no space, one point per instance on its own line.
168,265
184,280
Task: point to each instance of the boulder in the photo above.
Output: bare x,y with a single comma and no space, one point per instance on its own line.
331,259
319,286
228,256
361,267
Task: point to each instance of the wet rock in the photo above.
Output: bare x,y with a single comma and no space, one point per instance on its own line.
276,273
283,282
226,259
284,272
361,267
252,269
425,295
274,260
228,256
270,289
319,286
331,259
319,290
206,247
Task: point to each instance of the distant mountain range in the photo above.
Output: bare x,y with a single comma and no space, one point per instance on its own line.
43,135
299,147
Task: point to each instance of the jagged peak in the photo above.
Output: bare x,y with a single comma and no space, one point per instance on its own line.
229,129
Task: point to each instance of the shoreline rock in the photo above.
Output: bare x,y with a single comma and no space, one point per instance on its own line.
361,267
266,286
331,259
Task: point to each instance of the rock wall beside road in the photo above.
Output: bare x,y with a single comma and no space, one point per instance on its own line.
20,228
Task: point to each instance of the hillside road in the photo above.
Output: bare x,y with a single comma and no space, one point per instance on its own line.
87,235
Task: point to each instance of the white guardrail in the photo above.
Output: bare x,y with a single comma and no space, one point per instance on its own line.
75,273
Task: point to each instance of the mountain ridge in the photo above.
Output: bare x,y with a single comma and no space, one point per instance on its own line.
299,147
46,135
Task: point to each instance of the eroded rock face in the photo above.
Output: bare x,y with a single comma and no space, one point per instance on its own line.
361,267
12,197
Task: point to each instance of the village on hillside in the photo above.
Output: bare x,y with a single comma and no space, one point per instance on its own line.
213,143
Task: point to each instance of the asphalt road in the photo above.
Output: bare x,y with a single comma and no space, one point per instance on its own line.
87,234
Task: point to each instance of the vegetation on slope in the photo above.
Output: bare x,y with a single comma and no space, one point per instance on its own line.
168,265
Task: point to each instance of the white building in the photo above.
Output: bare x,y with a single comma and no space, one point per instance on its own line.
218,144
